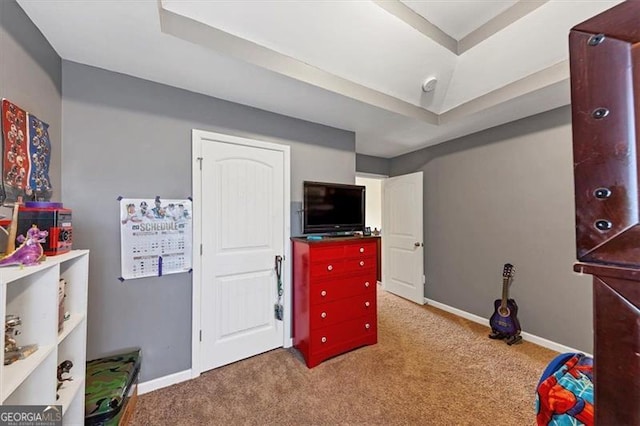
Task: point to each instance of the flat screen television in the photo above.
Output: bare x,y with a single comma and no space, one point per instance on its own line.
333,208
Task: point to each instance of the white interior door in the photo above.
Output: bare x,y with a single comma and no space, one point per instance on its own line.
402,244
243,227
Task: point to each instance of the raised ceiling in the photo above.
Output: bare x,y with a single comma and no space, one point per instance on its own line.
354,65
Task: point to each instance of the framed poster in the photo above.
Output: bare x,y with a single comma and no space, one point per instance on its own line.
155,237
26,155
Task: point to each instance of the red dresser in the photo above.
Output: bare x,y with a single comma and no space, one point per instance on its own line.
334,296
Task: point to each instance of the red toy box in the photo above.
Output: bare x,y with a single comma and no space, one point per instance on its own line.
51,217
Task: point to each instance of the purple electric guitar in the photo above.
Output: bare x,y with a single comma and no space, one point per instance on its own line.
504,321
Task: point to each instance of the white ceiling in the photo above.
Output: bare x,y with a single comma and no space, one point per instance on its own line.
447,15
354,65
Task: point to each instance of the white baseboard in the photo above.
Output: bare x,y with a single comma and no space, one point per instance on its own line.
540,341
163,382
554,346
458,312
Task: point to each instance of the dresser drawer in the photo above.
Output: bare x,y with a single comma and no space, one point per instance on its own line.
326,253
367,248
327,268
330,290
327,338
357,265
339,311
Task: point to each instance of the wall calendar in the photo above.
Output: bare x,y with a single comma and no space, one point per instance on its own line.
156,237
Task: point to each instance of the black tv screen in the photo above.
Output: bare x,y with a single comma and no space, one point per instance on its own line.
333,208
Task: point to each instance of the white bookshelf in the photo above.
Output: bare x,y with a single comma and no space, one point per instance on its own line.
31,292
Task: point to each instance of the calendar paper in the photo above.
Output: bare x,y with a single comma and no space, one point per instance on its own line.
155,237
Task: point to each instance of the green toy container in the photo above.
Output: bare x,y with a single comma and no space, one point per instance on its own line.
110,383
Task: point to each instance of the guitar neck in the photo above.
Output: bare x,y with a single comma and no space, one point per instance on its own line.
505,291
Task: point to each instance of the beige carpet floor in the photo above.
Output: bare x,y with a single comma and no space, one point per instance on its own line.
428,368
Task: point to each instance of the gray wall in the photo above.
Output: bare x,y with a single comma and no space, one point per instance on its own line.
506,195
30,77
373,165
131,137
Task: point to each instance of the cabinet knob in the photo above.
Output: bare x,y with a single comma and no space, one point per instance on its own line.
367,304
323,315
600,113
323,293
323,340
362,263
602,193
603,225
366,284
361,249
596,39
330,268
367,326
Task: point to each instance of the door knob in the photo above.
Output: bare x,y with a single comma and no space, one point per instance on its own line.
417,244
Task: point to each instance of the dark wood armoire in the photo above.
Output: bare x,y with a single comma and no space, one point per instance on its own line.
605,102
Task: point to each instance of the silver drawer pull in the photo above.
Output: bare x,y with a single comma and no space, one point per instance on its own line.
323,315
362,263
361,249
367,304
367,326
366,284
323,293
330,268
323,340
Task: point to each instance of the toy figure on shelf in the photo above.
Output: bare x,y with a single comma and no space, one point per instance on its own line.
30,251
10,324
13,352
62,285
64,368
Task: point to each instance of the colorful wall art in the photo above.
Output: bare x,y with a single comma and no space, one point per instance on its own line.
26,155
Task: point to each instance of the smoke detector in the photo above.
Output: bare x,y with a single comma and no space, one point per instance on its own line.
429,84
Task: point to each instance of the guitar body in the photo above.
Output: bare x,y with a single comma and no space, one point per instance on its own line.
505,323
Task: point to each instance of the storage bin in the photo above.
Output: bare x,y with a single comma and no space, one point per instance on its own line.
111,388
